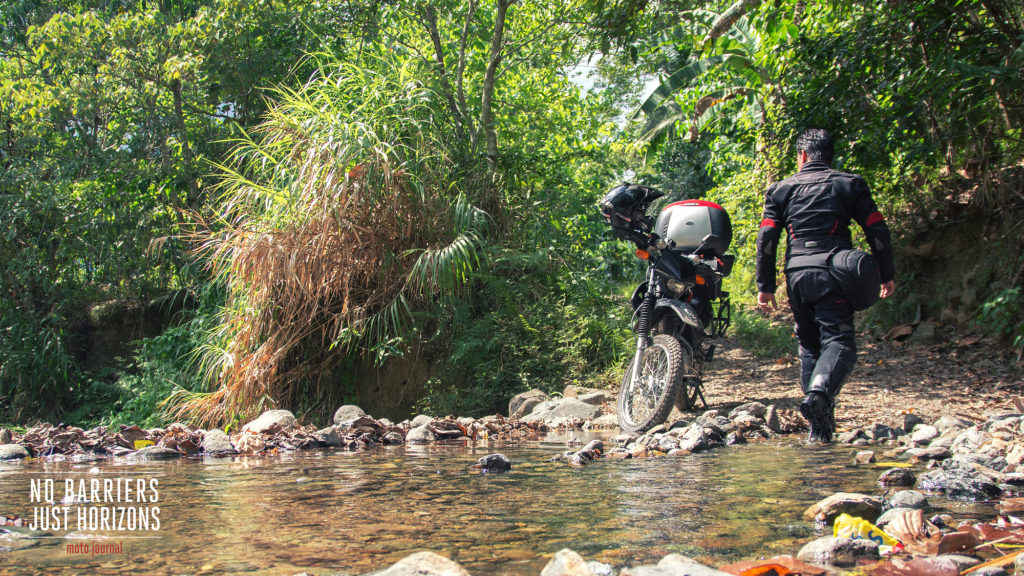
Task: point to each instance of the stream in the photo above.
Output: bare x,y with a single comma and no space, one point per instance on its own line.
329,512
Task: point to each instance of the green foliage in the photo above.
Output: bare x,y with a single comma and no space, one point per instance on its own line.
1003,315
763,338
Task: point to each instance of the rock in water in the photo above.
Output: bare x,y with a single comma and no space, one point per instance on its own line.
13,452
423,564
838,551
420,435
346,413
897,477
567,563
494,463
156,453
271,421
215,441
857,505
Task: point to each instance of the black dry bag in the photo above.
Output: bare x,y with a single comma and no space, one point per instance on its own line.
856,274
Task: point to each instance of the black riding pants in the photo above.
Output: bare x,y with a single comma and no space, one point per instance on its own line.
824,329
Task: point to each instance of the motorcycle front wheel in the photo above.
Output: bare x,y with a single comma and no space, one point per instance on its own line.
645,401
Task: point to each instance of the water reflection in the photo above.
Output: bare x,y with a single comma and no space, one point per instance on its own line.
336,511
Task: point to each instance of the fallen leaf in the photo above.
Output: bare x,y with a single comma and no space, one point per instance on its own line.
916,533
899,332
781,565
916,567
957,542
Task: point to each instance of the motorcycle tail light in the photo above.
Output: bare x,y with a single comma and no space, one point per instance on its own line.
701,280
643,254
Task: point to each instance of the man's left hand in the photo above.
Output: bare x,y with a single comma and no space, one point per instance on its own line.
888,289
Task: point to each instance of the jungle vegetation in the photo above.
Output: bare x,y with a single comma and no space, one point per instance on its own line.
266,198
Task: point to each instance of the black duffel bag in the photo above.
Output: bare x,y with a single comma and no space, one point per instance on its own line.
857,275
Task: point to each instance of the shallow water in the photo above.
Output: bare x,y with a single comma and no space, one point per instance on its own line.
328,512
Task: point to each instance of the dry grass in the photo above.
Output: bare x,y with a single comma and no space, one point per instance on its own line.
336,223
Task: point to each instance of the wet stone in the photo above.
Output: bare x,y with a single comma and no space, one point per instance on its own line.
523,403
673,565
897,477
567,563
948,422
421,420
857,505
215,441
420,435
13,452
968,441
929,453
851,436
879,432
494,463
838,551
327,437
864,457
890,515
156,453
347,413
923,434
270,421
734,438
909,499
910,421
755,409
423,564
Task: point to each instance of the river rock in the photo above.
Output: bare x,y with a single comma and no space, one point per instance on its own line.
695,439
910,421
564,408
420,435
421,420
897,477
908,499
346,413
674,565
392,438
6,436
864,457
423,564
890,514
968,484
830,550
156,453
567,563
948,422
494,463
851,436
929,453
756,409
13,452
593,398
215,441
327,437
271,421
747,422
968,441
879,432
523,403
734,438
923,434
668,443
857,505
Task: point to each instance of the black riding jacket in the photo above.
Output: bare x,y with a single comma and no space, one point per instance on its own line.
815,207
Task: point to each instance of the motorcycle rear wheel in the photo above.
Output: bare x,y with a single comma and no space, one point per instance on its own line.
646,401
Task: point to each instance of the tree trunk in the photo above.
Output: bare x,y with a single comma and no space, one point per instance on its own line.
186,151
487,99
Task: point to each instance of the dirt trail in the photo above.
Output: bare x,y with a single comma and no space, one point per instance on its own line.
963,377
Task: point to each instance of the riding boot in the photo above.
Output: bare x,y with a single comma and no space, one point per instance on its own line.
833,366
808,360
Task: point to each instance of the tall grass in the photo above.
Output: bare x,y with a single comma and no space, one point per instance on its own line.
339,217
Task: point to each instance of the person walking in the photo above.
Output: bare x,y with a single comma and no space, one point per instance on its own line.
815,207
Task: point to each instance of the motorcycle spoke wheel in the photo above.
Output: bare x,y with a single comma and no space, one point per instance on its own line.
645,401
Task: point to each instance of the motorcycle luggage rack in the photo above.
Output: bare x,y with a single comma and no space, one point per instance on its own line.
723,317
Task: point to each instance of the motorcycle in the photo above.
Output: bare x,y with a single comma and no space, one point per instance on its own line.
679,309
